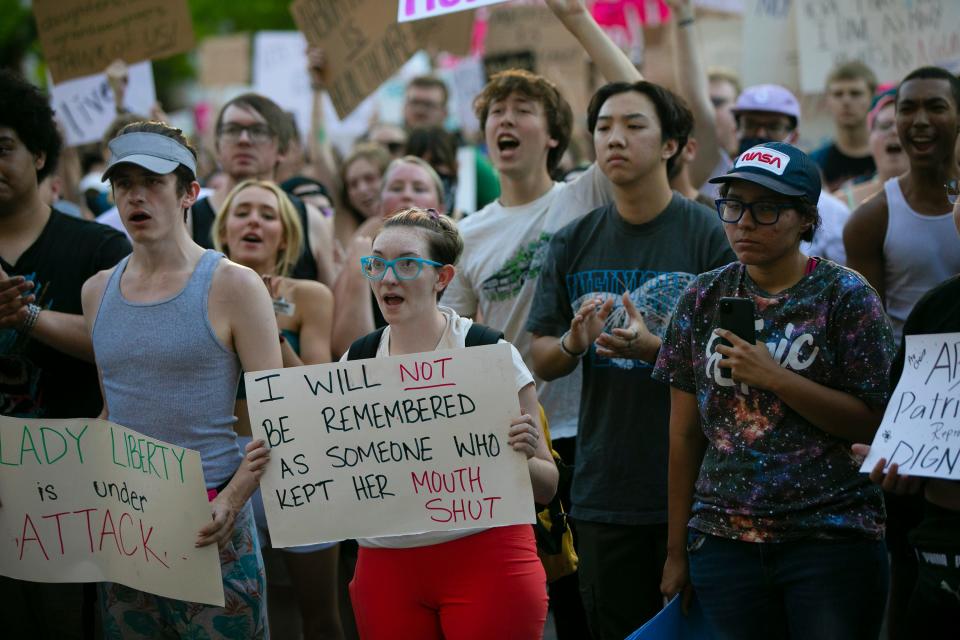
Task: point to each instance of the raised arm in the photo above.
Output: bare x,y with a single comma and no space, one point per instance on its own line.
613,64
319,147
695,89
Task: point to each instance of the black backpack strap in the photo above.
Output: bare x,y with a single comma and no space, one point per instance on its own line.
365,347
478,335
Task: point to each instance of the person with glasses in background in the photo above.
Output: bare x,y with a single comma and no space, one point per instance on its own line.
252,135
769,516
476,583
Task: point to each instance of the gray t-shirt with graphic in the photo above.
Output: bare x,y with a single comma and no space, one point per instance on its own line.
622,443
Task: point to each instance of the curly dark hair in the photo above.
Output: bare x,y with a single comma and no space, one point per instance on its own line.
26,110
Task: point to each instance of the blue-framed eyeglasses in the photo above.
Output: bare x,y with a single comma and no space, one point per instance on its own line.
953,191
731,210
405,268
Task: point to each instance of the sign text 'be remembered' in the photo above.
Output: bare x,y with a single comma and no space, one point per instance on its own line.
390,446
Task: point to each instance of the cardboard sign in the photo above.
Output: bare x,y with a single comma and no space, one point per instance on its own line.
82,37
225,61
920,431
409,10
390,446
365,45
87,500
892,38
770,44
85,106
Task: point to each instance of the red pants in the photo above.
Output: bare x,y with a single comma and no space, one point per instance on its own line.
487,585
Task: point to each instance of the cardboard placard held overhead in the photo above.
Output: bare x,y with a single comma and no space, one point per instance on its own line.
409,10
390,446
920,431
82,37
892,38
225,60
85,106
365,45
770,44
87,500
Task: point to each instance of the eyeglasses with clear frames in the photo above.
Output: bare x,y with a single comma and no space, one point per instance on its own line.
731,210
404,268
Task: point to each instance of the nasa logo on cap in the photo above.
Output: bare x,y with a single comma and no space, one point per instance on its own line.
764,158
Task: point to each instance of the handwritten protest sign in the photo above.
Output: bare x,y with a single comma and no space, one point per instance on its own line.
409,10
390,446
365,45
88,500
225,60
85,106
82,37
920,431
770,44
892,38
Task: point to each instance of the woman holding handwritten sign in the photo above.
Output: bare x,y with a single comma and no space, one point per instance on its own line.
770,521
258,227
485,583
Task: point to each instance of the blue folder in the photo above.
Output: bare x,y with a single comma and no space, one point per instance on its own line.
671,624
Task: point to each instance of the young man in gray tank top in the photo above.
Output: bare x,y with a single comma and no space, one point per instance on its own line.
904,242
172,326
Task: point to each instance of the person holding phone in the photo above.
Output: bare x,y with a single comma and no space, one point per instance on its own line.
770,521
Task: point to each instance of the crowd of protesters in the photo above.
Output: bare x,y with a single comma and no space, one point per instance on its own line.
704,465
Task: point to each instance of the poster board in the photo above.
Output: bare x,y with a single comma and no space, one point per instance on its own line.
225,60
87,500
770,44
390,446
410,10
85,106
82,37
920,431
365,45
892,38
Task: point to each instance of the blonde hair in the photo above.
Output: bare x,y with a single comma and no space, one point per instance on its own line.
423,164
289,218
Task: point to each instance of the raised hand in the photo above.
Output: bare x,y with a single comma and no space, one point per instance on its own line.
633,342
588,324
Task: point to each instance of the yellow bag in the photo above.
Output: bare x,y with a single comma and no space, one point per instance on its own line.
554,537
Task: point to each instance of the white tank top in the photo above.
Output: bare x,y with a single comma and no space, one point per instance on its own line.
919,252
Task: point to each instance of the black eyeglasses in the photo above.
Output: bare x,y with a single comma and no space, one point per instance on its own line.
953,191
763,212
257,133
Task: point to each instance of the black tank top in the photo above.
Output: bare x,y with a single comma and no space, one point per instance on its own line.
203,216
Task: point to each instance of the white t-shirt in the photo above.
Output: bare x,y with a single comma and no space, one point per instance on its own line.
453,337
504,250
828,240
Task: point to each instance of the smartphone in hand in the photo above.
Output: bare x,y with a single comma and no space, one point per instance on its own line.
736,315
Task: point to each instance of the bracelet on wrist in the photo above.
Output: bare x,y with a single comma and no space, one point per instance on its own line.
33,314
572,354
685,22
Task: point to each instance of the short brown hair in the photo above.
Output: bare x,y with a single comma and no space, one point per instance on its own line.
184,176
530,85
725,74
444,242
276,118
853,70
430,82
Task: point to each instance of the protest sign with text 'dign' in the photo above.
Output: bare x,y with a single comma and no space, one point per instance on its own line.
390,446
82,37
409,10
86,500
920,431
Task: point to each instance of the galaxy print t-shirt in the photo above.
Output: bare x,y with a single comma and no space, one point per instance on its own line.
768,474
